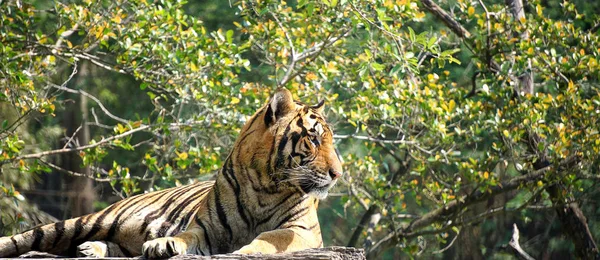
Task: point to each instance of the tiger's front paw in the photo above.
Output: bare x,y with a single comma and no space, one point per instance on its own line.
164,247
92,249
247,249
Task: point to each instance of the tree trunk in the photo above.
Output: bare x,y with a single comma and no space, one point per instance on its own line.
82,200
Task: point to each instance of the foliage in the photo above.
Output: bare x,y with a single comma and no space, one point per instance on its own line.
423,118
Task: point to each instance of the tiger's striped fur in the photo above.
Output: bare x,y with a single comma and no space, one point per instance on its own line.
260,202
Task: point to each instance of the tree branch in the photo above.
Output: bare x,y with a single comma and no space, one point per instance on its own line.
460,203
446,18
309,53
373,209
514,243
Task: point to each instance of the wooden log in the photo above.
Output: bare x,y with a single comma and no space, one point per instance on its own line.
334,253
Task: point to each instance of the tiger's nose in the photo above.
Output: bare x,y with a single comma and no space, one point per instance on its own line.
334,174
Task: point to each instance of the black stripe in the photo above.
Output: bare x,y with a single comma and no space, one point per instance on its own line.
193,212
38,235
193,197
221,212
162,231
301,226
14,241
125,251
169,249
252,183
279,159
133,202
97,226
230,177
78,229
271,150
277,208
205,231
285,132
161,211
174,216
241,139
295,137
59,232
183,223
294,215
254,118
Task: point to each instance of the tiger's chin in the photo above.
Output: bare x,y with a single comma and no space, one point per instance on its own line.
319,193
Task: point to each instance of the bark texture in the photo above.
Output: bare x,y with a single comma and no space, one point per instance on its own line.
333,253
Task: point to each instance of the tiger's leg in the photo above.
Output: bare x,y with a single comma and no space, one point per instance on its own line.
188,242
284,240
99,249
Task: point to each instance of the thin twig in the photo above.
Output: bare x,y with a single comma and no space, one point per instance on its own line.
72,137
79,91
80,148
449,245
368,138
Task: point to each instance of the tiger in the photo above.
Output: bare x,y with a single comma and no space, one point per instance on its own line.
263,200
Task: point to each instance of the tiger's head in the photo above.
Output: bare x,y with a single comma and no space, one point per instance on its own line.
293,144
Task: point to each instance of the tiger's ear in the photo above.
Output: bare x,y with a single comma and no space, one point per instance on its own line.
319,107
280,105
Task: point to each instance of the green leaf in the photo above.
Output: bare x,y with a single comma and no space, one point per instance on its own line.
411,35
450,52
229,36
376,66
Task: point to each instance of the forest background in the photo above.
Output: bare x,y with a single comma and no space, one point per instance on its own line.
460,122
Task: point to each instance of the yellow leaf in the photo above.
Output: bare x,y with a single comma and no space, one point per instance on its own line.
538,9
117,18
182,156
523,20
420,15
235,100
592,62
471,10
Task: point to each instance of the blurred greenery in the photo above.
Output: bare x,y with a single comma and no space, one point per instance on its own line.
424,119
